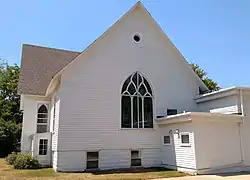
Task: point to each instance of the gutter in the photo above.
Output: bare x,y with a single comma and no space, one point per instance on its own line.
240,124
219,94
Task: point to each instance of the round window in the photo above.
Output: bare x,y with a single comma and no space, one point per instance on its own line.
137,38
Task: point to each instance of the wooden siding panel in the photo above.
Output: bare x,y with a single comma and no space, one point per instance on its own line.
90,100
225,105
175,155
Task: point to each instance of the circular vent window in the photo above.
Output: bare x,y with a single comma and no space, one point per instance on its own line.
137,38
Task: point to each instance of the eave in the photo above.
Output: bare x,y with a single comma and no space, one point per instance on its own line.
199,116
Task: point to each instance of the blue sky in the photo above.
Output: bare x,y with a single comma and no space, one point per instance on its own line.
214,34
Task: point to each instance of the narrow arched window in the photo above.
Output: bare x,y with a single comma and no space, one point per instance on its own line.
42,118
136,103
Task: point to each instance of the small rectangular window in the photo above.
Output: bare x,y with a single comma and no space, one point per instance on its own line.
135,158
185,141
43,146
166,140
171,112
92,160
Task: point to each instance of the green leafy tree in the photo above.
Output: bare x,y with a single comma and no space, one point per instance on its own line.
212,85
10,115
9,99
10,134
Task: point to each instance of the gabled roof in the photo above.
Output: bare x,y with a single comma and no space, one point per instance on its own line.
35,82
39,65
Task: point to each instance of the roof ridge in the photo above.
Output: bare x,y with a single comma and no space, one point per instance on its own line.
44,47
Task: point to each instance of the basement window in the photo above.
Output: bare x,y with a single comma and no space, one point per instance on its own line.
92,160
135,158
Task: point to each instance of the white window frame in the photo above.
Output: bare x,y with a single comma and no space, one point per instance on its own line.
38,105
185,144
166,144
44,145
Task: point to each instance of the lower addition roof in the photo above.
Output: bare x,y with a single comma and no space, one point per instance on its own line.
199,116
39,65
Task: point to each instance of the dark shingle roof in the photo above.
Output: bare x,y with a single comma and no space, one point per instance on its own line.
39,65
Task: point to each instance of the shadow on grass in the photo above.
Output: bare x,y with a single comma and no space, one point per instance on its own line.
131,170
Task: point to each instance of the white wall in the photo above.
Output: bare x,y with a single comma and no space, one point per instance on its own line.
225,105
44,160
246,127
216,144
176,156
29,120
54,121
90,88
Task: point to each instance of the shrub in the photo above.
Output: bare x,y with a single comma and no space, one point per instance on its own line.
11,158
26,161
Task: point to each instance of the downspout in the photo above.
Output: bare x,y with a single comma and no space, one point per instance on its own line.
240,125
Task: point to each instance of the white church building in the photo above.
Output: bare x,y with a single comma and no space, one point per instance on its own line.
130,99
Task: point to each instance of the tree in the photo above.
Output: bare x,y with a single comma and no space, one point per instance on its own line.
9,99
10,134
212,85
10,115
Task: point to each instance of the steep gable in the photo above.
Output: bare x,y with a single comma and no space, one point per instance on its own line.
146,15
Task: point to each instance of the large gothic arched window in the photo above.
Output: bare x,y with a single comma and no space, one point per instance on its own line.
136,103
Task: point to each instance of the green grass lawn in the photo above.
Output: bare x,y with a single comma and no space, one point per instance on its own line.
8,173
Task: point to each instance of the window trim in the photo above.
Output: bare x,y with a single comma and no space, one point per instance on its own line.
38,105
170,140
185,144
153,104
47,144
98,160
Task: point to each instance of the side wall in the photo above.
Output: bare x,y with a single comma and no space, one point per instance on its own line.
225,105
245,128
217,144
29,105
176,156
90,103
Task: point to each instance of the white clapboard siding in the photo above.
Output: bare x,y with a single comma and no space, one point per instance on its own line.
226,110
225,105
185,155
90,100
151,157
71,161
29,124
114,159
55,131
175,155
217,144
